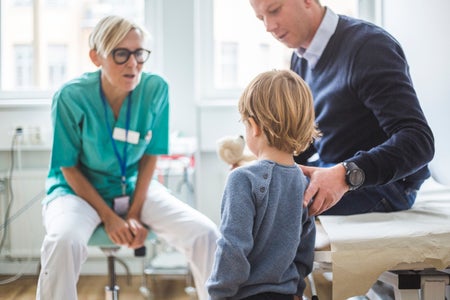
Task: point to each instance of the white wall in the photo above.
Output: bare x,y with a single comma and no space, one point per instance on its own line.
178,66
422,28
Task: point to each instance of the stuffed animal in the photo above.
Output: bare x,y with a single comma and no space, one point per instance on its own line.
233,151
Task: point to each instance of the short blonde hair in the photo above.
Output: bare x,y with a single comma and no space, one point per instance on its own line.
281,103
109,32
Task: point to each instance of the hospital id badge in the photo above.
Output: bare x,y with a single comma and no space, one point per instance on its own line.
128,136
121,205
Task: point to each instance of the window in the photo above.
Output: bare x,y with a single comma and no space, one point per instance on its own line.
227,61
45,43
23,2
233,47
23,62
56,3
57,65
238,47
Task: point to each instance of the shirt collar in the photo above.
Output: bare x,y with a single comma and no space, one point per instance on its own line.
320,40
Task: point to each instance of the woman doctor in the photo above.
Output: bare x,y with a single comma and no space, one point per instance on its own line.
109,127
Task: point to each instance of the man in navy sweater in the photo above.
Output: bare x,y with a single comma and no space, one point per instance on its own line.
376,142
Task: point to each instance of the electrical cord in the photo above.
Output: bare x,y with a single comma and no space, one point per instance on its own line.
10,196
10,193
3,227
22,210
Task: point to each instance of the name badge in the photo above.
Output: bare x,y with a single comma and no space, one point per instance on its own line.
119,134
121,205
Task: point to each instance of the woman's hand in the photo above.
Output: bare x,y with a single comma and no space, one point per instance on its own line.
139,233
129,232
118,230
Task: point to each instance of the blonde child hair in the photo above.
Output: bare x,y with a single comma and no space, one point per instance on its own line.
281,104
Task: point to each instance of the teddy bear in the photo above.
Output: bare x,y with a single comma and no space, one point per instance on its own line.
233,151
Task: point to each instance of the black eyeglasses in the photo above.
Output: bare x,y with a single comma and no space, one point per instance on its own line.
122,55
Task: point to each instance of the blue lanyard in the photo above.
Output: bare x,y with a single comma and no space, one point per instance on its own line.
122,162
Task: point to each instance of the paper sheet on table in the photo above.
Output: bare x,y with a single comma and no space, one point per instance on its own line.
364,246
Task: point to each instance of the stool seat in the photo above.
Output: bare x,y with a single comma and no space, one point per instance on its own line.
101,239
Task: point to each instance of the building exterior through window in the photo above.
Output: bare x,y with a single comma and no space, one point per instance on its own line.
44,43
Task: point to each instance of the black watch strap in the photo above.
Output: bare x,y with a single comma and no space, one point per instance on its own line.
354,176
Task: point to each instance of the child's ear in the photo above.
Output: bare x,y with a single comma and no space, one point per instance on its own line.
256,130
94,57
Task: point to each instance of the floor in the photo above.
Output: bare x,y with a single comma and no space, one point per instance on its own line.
93,287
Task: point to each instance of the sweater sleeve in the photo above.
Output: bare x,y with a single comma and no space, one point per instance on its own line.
231,267
305,251
382,81
304,257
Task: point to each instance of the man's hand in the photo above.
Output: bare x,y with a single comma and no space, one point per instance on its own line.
325,189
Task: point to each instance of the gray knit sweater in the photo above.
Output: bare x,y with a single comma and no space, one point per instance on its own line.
267,242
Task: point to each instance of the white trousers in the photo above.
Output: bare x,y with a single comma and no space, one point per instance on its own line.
69,222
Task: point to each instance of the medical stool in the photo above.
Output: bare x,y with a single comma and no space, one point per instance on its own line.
100,239
167,263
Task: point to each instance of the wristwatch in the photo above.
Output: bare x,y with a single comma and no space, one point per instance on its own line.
354,176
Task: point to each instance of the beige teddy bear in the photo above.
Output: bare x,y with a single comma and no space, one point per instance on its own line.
233,151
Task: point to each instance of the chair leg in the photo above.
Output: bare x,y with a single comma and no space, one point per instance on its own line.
312,285
111,290
143,289
190,289
125,266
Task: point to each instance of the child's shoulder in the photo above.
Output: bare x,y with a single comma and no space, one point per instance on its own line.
254,170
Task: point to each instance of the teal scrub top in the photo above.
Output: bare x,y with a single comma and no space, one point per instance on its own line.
81,137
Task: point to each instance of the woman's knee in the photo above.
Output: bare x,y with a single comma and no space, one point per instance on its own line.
66,240
207,237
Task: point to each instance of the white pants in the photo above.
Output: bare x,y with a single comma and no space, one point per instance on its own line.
70,221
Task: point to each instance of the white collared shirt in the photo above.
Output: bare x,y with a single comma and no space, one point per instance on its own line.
320,40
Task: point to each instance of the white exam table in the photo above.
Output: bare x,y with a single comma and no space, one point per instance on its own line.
367,246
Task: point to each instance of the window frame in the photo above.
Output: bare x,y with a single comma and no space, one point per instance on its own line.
152,20
371,10
203,52
204,49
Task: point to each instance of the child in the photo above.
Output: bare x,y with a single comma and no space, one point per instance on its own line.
267,244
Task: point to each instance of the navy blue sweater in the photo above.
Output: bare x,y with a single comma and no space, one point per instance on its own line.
366,106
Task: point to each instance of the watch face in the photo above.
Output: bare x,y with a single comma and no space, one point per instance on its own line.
356,177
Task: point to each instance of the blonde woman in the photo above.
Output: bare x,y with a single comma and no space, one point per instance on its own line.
267,244
109,128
